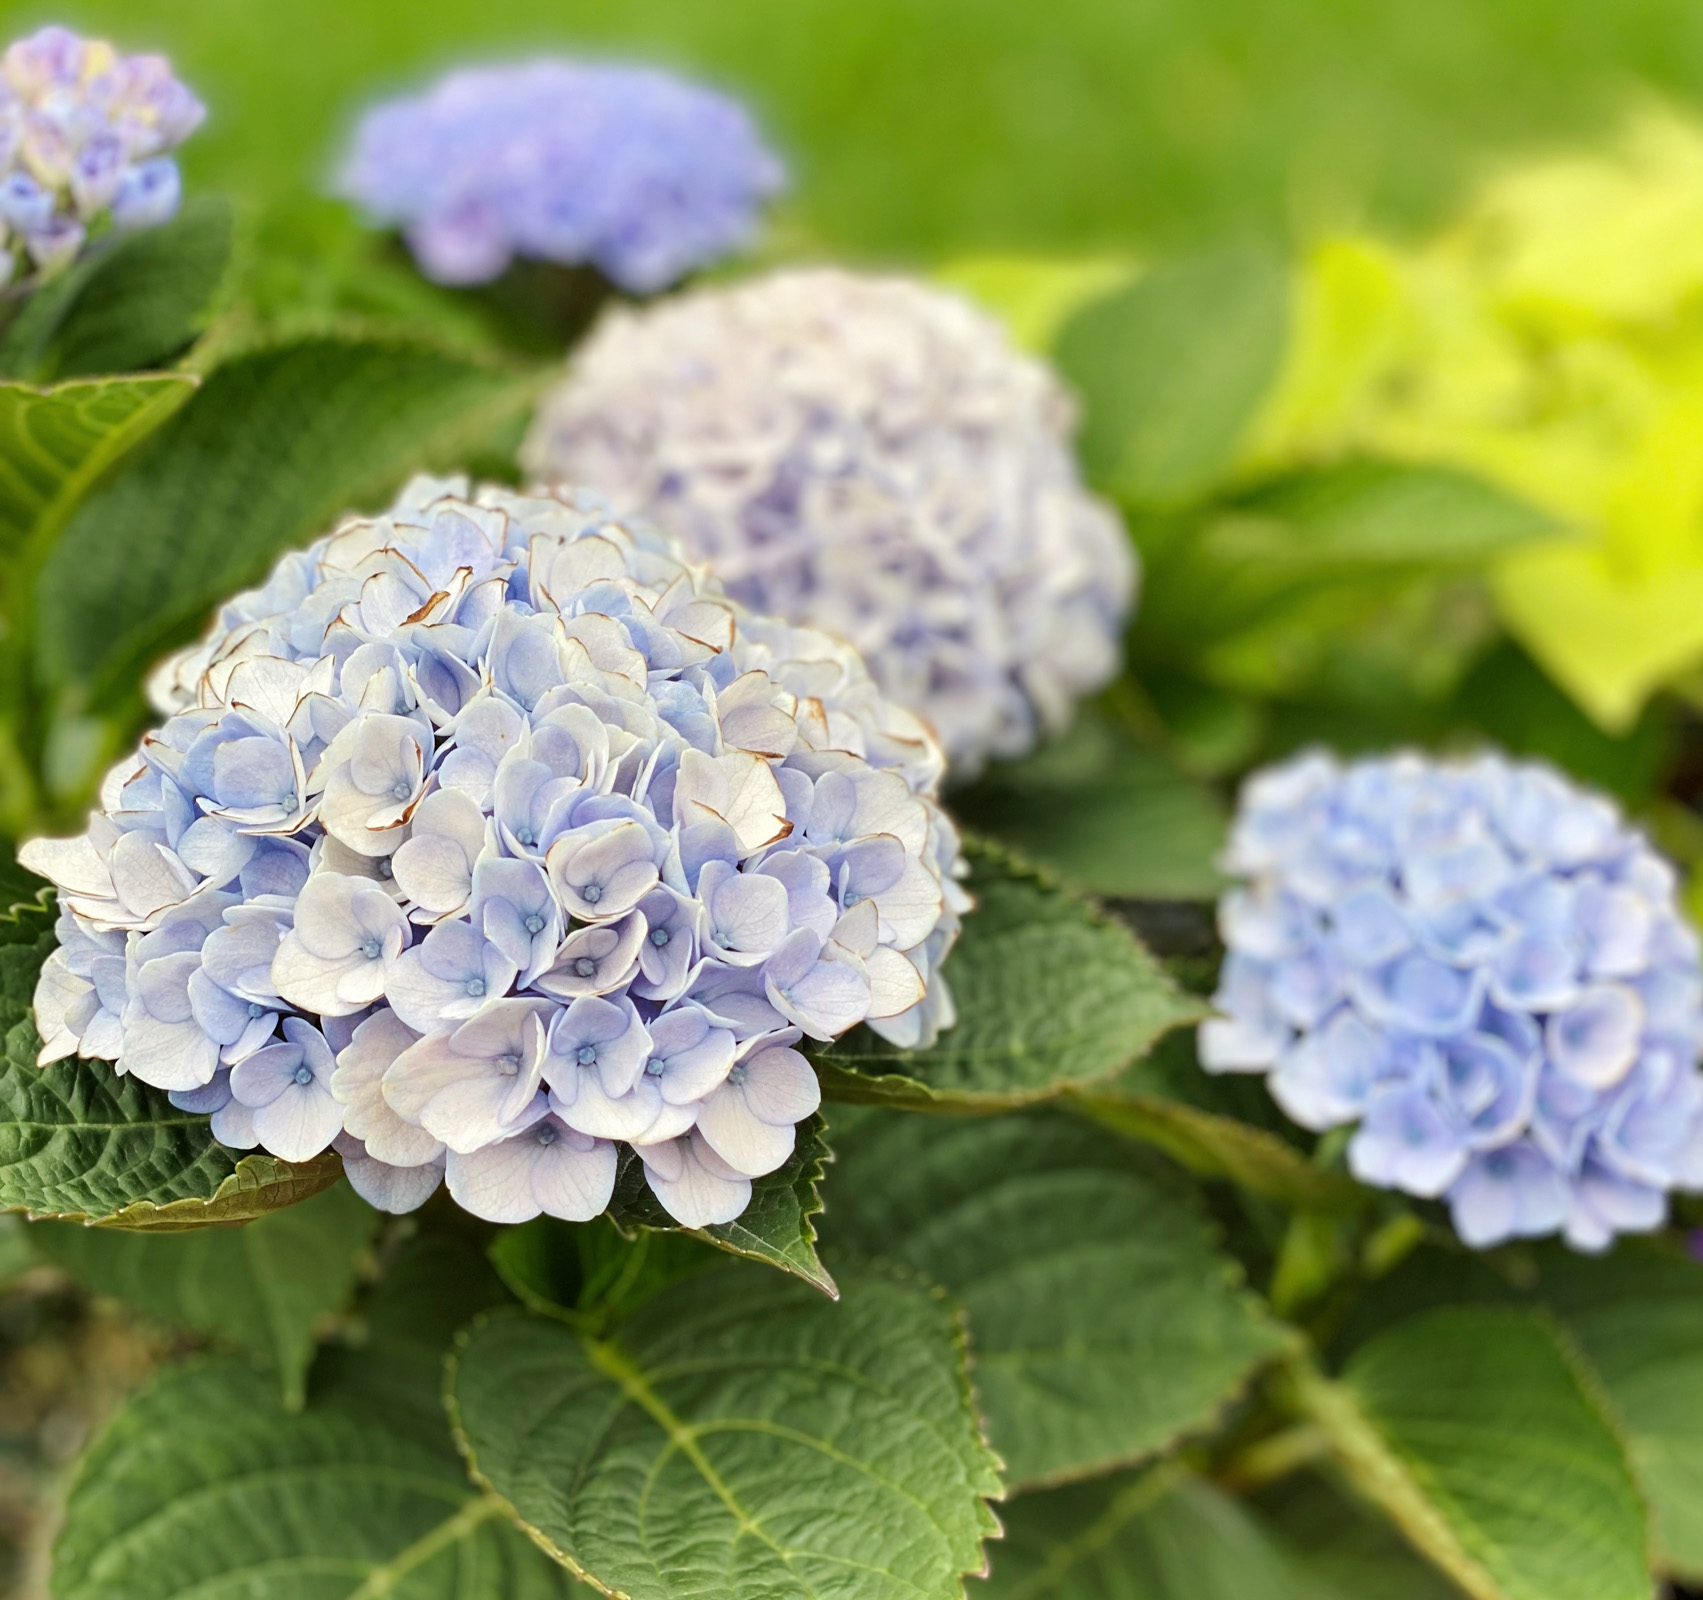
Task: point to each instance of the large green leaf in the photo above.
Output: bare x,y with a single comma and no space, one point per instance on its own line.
777,1227
1110,816
1051,993
55,442
1474,1430
1106,1322
263,1288
1172,369
79,1142
204,1485
133,305
740,1437
1161,1536
280,441
1638,1316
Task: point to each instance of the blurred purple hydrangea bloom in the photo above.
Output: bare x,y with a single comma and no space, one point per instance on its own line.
85,142
639,173
1484,968
490,836
871,456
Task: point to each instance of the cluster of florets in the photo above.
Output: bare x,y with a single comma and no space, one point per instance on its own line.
870,456
637,172
85,136
1484,968
489,836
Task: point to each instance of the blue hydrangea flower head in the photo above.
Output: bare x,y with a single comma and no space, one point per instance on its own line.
86,137
871,456
490,843
640,173
1483,968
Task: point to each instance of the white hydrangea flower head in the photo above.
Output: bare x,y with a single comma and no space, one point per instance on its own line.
870,456
490,836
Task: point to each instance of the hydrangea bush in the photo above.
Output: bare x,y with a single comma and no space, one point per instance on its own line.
86,137
489,835
870,456
635,171
1482,968
496,857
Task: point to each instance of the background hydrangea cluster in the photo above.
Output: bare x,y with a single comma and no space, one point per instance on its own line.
487,835
1483,967
85,136
871,456
636,171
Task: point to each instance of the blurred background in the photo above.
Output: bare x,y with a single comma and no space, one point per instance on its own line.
953,135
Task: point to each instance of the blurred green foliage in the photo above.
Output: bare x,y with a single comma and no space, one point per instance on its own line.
920,127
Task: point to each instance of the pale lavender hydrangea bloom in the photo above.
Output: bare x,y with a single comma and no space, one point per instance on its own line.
85,142
870,456
490,836
637,172
1484,968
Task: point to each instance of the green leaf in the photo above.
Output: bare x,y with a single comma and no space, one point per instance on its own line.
281,440
1638,1316
79,1142
1051,994
590,1273
263,1288
1353,524
775,1228
1172,369
1473,1429
205,1485
1164,1535
1109,816
136,304
1106,1322
54,443
740,1437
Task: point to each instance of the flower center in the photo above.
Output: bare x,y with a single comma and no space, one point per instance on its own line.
586,1055
591,894
401,789
546,1137
255,1010
585,967
370,949
659,937
509,1065
655,1067
475,987
535,923
737,1075
384,870
526,836
304,1074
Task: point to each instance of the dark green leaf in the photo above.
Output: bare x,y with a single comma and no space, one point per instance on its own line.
205,1485
1162,1536
263,1288
591,1273
740,1437
776,1227
1172,369
282,439
1472,1428
133,305
1111,817
79,1142
1106,1322
1051,993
